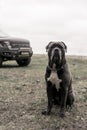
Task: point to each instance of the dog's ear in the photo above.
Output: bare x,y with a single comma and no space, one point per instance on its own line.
64,46
48,46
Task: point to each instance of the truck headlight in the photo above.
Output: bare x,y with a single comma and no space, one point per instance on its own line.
7,43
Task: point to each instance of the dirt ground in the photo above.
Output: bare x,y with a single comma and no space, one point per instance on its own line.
23,97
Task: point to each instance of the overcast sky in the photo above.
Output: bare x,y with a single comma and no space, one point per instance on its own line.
42,21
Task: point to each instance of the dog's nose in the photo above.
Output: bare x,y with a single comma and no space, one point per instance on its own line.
56,50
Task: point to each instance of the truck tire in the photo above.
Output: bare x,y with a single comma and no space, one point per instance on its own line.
23,62
0,61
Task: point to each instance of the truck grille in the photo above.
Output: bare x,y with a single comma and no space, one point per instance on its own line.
19,45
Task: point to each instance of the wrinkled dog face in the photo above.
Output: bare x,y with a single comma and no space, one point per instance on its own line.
56,55
56,52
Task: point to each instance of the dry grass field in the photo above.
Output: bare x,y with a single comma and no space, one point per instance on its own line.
23,97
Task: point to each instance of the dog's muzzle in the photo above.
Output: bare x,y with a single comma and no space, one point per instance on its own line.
56,55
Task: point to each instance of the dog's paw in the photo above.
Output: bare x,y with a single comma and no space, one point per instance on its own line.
45,113
68,108
62,113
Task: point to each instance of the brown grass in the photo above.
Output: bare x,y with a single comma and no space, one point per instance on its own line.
23,97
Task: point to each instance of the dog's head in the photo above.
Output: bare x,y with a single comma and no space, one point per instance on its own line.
56,53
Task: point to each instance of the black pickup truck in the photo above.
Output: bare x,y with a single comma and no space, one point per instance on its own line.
15,49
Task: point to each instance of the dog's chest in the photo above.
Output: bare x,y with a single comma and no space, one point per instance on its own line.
54,79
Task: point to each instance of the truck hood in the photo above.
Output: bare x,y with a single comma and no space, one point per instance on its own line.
12,39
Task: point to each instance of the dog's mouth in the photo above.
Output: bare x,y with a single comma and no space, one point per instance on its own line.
56,55
56,59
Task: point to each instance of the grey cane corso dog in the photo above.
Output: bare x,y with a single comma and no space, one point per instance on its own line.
58,78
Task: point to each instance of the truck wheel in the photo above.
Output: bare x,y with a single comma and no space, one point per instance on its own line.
23,62
0,61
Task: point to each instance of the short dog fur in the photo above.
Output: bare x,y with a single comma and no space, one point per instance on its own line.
58,78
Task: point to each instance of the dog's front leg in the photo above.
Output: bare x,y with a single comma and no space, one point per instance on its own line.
50,99
64,93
